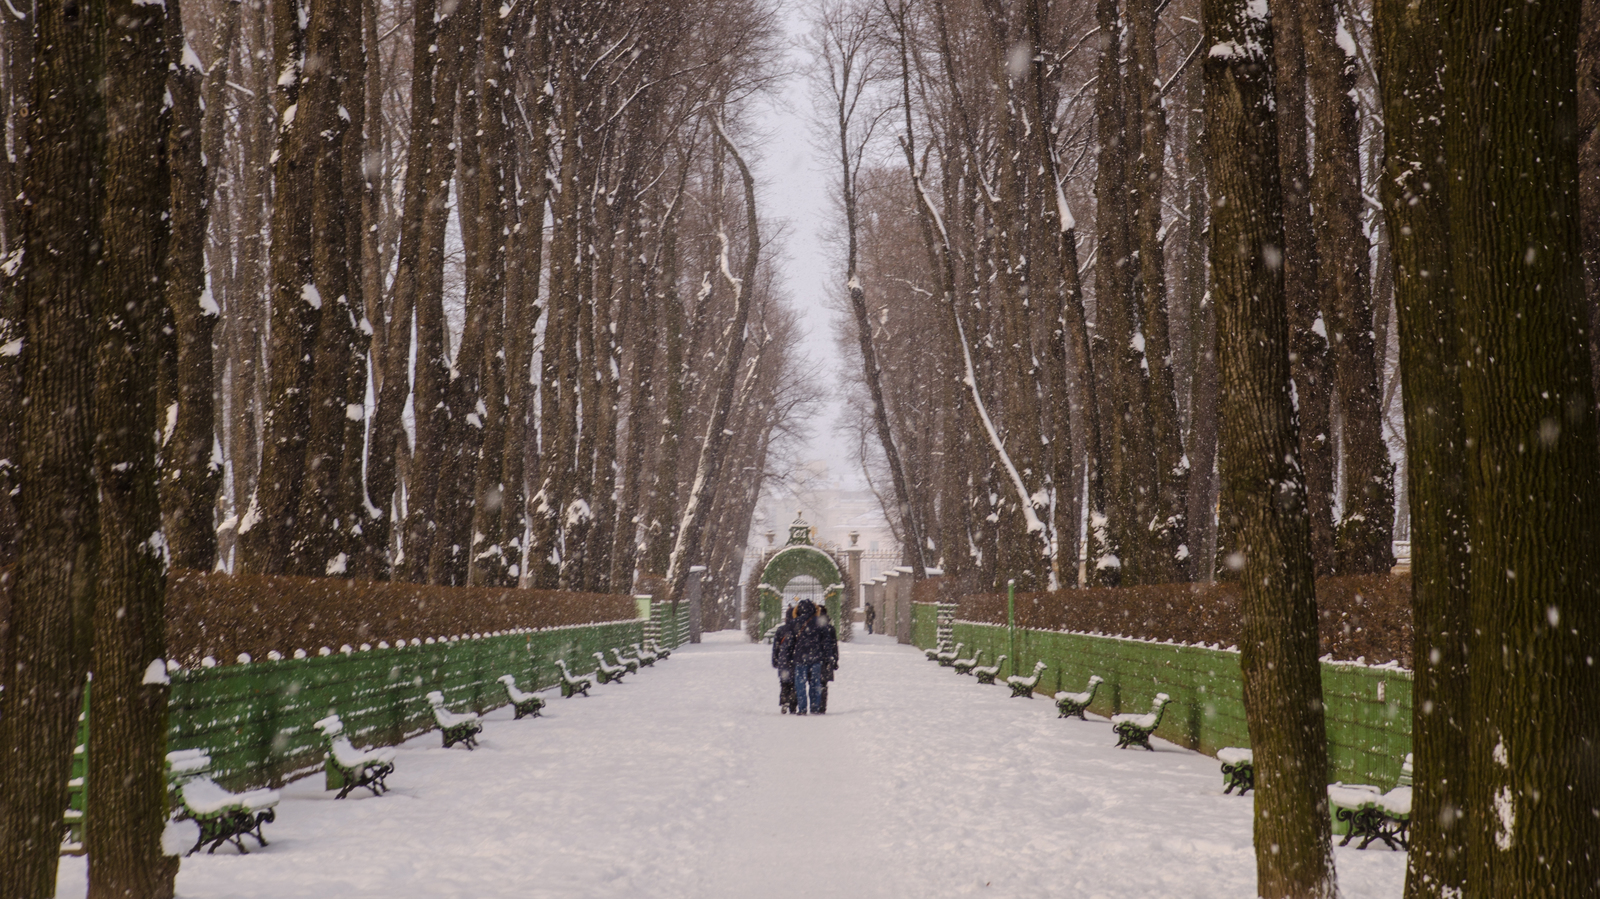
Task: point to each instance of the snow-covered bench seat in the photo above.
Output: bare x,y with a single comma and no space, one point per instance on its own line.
645,656
933,653
1070,704
1373,814
661,652
455,727
1135,730
572,684
222,816
1238,769
523,704
629,662
1023,686
965,666
987,673
607,672
348,767
949,656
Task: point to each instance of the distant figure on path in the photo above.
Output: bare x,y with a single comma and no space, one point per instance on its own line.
810,651
783,660
830,659
872,615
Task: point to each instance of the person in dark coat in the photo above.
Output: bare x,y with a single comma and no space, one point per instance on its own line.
872,615
830,660
810,650
783,660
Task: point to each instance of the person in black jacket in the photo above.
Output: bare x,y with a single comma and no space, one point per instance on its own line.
783,660
830,660
810,651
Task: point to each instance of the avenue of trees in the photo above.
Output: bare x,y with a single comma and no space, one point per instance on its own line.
1172,291
443,291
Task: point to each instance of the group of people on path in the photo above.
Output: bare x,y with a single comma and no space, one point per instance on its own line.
805,650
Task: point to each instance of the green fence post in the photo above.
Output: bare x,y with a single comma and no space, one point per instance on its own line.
1011,623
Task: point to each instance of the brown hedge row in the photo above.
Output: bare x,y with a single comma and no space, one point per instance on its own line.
1366,616
221,615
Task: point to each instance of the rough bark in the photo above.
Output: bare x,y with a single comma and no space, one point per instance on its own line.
1260,468
1414,188
128,743
53,596
1533,491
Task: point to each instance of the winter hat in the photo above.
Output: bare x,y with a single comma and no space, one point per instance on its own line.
805,609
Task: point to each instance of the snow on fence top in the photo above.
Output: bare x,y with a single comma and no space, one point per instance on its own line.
1364,616
221,616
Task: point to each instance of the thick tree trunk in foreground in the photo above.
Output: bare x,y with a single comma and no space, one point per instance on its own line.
1534,480
128,743
1260,469
53,596
1414,185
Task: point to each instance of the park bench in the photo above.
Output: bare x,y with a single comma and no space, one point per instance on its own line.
1070,704
222,816
1135,730
965,666
629,662
348,767
662,653
1373,814
949,656
455,727
523,704
608,672
645,656
1023,686
933,653
571,683
987,673
1238,769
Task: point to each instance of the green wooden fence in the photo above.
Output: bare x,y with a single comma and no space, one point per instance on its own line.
256,719
1368,708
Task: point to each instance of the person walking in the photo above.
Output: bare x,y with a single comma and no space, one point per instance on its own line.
830,656
810,649
871,615
783,644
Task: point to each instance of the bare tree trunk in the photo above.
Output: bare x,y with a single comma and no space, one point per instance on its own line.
1363,541
53,595
422,192
128,743
1415,181
687,547
1260,468
1533,476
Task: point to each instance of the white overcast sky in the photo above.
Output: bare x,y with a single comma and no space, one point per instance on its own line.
794,188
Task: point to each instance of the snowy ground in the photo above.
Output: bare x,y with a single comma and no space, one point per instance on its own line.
684,781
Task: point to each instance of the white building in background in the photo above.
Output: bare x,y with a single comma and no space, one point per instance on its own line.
834,512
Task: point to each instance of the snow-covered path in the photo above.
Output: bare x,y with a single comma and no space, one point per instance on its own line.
684,781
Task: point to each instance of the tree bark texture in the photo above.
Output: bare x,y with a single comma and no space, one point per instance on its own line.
1533,491
1260,468
53,596
1414,184
128,743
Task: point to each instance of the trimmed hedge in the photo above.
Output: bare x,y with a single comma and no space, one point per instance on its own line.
1362,617
220,615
